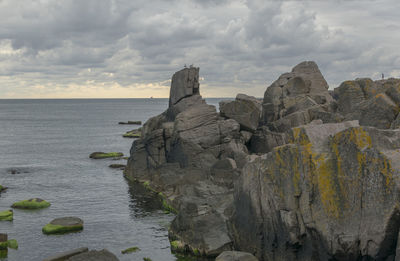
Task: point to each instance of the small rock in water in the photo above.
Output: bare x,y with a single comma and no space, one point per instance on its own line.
63,225
131,122
130,250
13,171
117,166
2,188
33,203
6,215
104,155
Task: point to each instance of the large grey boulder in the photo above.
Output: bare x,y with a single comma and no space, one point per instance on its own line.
184,83
287,101
246,110
331,193
235,256
372,103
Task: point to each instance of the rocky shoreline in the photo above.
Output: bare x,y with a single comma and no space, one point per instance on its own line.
304,174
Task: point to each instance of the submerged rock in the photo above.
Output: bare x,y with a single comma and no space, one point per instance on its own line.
117,166
131,122
94,255
130,250
33,203
63,225
104,155
67,254
6,215
235,256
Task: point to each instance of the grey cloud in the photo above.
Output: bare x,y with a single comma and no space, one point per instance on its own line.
236,43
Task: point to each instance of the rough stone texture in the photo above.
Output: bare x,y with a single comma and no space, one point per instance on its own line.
235,256
184,83
264,140
95,255
372,103
297,98
246,110
192,156
304,182
330,194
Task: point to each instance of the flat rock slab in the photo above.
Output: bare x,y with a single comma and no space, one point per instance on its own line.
105,155
6,215
63,225
95,255
67,254
235,256
33,203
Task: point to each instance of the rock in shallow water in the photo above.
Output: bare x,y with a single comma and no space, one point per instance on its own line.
33,203
104,155
63,225
235,256
6,215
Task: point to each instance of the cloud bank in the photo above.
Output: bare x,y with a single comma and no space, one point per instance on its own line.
124,48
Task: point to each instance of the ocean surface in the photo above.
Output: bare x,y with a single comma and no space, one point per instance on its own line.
48,142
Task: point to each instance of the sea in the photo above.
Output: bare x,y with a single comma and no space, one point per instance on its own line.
47,144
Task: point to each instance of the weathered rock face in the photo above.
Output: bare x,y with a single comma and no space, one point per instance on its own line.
297,98
372,103
246,110
192,156
184,83
309,174
331,193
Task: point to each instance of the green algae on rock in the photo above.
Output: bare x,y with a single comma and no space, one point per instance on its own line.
147,259
6,215
12,243
104,155
133,134
63,225
2,188
130,250
33,203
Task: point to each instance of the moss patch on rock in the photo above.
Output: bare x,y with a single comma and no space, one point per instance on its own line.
147,259
12,243
2,188
6,215
130,250
133,134
105,155
33,203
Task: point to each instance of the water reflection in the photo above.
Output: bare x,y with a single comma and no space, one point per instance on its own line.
142,201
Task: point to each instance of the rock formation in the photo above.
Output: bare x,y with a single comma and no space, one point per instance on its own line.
304,174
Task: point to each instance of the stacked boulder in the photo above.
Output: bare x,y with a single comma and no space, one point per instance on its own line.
190,154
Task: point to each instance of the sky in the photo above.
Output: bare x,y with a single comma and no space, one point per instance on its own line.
131,48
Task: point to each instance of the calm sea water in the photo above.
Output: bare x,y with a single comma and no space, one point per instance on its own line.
48,142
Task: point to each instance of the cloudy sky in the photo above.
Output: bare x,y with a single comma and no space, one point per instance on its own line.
131,48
